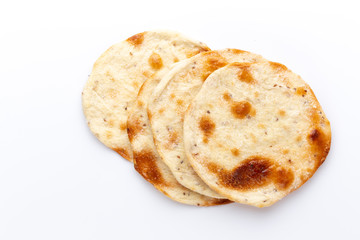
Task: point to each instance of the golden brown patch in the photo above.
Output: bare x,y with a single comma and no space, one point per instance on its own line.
207,126
221,201
172,96
147,73
298,138
245,75
301,91
235,151
190,54
240,109
136,40
236,51
145,164
133,128
284,178
123,126
173,138
161,110
213,62
285,151
277,66
320,145
179,102
227,96
155,61
253,173
282,113
124,153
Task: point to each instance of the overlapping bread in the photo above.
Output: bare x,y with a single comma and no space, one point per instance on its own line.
169,102
147,161
255,132
117,76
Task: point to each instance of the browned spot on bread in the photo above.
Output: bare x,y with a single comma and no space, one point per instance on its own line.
172,96
227,96
213,62
301,91
123,126
207,126
155,61
175,59
282,113
244,75
240,109
140,103
124,153
235,151
197,51
179,102
221,201
254,172
277,66
173,137
135,84
236,51
298,138
147,73
145,164
133,128
136,40
161,110
285,151
284,178
320,145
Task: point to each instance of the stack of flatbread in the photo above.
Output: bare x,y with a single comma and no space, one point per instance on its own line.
206,127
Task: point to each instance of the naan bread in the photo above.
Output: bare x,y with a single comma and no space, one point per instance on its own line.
169,102
118,75
146,159
256,132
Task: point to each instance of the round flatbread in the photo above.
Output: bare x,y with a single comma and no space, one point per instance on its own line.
146,159
256,132
118,75
169,102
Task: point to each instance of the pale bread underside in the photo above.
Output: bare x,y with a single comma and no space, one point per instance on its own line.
146,159
118,75
256,132
169,102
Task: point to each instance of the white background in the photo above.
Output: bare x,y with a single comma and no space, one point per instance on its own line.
58,182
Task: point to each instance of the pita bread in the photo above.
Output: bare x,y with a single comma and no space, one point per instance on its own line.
118,75
169,102
146,159
256,132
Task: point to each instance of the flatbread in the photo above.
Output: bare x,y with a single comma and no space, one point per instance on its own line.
169,102
256,132
118,75
147,161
